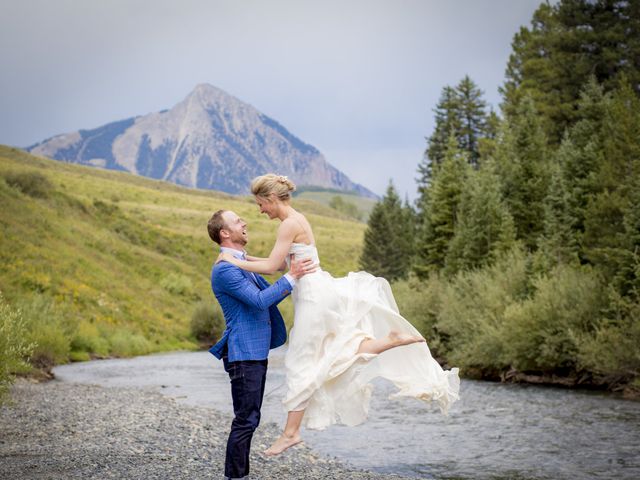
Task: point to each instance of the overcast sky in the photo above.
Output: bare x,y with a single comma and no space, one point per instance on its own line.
358,79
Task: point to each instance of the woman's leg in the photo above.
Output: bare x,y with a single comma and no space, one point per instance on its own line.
394,339
290,436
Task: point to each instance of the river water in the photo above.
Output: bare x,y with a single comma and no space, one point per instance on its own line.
495,431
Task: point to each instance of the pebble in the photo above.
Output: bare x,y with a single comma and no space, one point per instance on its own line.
60,430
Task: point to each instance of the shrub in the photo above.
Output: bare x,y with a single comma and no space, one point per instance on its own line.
50,327
14,346
542,333
611,350
89,340
473,309
33,184
420,302
177,284
124,343
207,322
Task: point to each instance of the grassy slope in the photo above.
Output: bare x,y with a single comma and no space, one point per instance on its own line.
126,255
365,205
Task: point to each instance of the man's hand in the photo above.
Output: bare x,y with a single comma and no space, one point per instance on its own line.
299,268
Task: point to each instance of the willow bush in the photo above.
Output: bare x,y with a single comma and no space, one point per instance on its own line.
14,346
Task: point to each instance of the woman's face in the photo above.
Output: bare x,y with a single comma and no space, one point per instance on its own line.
267,206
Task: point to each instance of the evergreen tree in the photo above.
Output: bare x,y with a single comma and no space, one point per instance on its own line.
461,111
628,277
558,244
388,239
621,140
613,182
580,152
566,44
523,168
473,118
487,144
443,199
448,121
485,228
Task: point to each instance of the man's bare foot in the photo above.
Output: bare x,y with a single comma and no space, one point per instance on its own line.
281,444
398,339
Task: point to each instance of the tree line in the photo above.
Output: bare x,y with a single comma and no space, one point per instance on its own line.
550,186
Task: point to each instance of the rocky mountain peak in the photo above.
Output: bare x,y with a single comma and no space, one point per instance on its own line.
208,140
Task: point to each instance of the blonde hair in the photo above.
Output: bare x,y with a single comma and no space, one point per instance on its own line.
279,185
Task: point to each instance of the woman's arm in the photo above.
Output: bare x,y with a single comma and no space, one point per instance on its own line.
251,258
286,234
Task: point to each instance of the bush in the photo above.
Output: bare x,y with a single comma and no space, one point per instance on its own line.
33,184
207,322
88,340
420,303
611,350
543,332
473,308
177,284
124,343
14,346
50,328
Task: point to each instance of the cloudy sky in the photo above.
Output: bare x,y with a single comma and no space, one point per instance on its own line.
358,79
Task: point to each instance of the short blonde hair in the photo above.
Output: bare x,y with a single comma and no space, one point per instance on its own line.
279,185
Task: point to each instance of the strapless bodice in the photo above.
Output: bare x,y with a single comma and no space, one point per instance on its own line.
302,251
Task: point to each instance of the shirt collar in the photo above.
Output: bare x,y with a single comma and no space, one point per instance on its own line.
236,253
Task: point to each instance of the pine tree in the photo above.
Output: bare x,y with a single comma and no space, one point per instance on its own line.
523,168
388,239
440,218
487,144
473,118
448,121
566,44
628,277
612,184
580,152
485,228
558,244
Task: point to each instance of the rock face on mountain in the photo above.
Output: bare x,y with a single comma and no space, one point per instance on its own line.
209,140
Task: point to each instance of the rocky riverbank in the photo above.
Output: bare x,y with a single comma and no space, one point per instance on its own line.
59,430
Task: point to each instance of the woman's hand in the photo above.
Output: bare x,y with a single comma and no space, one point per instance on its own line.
225,257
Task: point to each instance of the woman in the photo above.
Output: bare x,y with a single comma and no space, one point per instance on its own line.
342,327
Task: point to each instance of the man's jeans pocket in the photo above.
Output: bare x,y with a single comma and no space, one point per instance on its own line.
234,369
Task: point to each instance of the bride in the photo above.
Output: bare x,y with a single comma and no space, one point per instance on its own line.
345,332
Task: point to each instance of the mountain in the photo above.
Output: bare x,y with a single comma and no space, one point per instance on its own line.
209,140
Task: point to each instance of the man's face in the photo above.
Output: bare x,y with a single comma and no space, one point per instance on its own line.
236,228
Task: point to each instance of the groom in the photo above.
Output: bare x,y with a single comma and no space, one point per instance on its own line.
254,325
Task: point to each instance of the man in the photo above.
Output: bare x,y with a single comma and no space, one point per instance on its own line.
254,326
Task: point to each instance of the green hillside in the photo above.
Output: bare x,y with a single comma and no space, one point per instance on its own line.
108,263
326,196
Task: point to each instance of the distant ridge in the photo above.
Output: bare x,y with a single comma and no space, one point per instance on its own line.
209,140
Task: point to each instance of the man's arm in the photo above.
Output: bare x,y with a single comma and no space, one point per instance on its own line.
237,285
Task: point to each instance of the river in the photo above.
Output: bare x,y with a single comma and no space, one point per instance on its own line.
495,431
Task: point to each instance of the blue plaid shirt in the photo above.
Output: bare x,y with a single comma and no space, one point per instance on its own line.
254,324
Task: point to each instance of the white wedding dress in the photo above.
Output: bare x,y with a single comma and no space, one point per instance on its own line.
326,376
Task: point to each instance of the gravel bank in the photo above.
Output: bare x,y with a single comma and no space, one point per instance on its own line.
57,430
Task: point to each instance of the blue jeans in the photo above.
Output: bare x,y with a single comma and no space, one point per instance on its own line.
247,389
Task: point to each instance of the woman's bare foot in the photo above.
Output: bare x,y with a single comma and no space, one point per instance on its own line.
281,444
398,338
